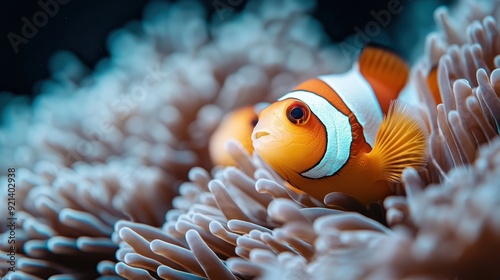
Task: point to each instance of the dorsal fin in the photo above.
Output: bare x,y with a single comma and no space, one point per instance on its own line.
386,72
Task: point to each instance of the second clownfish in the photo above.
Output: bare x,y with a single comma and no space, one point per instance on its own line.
432,84
329,134
237,125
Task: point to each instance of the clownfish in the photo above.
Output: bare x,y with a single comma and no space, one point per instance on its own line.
329,133
237,125
432,84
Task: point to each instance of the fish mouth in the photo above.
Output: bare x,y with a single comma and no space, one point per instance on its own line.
258,134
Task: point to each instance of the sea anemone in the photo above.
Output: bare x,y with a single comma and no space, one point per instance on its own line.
301,238
67,217
130,191
117,143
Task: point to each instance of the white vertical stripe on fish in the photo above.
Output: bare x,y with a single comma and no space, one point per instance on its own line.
338,131
358,95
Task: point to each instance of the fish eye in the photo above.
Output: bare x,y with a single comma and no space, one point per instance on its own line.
254,122
297,113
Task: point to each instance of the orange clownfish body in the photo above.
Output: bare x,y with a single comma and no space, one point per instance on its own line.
238,125
329,133
432,84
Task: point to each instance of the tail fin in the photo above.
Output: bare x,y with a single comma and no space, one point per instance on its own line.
401,141
386,72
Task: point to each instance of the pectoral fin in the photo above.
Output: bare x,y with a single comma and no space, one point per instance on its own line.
401,141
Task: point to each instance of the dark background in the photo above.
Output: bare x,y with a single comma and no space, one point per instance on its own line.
82,27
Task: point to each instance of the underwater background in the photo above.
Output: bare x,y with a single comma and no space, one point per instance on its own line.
108,109
84,26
